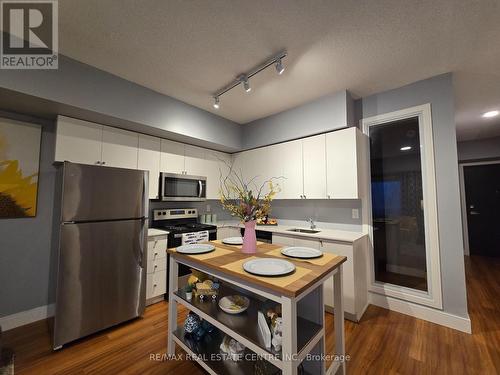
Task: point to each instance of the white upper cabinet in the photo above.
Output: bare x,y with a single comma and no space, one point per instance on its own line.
119,148
290,156
343,156
148,159
217,167
78,141
314,155
272,160
172,157
194,162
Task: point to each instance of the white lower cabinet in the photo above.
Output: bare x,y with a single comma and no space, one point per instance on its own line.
156,285
226,232
156,279
354,271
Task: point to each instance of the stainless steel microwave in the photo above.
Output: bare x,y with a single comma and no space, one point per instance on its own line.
182,187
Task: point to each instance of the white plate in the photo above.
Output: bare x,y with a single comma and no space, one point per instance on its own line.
301,252
227,305
196,248
233,241
268,267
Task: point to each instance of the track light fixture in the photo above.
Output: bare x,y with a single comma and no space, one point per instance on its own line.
243,78
279,67
246,84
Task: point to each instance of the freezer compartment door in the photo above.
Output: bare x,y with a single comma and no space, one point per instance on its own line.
93,193
101,277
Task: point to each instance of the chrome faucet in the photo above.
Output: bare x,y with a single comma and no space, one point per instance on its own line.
311,222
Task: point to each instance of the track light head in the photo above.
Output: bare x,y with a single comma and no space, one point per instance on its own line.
216,102
279,66
246,85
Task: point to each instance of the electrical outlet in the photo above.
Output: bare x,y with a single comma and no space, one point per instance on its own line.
208,208
355,213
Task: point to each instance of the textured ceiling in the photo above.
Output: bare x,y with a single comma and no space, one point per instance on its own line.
189,49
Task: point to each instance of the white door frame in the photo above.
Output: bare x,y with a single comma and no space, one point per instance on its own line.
433,297
463,198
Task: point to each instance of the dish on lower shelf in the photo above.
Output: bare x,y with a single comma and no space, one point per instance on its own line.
234,304
269,267
194,249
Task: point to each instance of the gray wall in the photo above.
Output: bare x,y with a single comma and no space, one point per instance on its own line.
26,247
319,116
85,92
480,149
439,92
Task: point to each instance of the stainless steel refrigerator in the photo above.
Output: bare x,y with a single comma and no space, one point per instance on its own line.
101,277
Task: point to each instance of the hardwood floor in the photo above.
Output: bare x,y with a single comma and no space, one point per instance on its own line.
384,342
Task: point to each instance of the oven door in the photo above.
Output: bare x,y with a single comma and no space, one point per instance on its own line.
181,187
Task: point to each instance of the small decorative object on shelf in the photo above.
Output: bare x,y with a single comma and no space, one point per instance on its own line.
277,332
232,348
234,304
189,292
192,323
264,330
203,330
248,202
276,325
206,289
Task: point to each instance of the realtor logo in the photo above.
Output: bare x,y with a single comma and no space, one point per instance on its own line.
29,34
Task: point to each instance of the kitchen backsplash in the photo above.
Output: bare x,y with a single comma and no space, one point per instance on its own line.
337,213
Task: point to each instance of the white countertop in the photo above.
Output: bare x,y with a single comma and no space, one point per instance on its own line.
324,234
152,232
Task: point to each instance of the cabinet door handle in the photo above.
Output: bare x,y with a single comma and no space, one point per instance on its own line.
103,163
328,196
154,285
305,197
156,266
98,162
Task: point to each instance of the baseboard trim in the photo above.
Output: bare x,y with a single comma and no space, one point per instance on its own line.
422,312
26,317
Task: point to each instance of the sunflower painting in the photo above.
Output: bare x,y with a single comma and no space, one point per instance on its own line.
19,165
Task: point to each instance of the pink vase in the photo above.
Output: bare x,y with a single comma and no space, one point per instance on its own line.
249,239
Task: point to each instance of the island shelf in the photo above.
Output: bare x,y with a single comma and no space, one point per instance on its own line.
302,312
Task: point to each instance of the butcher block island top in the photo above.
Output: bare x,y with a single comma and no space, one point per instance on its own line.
300,295
228,259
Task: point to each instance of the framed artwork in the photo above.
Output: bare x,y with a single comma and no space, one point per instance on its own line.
19,168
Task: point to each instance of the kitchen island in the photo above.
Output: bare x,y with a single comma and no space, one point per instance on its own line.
299,294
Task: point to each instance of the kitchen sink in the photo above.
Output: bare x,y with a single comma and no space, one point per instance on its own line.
299,230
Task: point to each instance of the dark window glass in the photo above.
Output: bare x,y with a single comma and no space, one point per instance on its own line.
397,204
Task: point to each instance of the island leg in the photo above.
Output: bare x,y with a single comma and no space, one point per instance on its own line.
289,348
338,302
172,305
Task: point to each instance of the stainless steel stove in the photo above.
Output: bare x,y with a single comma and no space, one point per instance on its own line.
180,223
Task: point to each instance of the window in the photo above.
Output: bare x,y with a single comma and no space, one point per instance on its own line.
402,207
